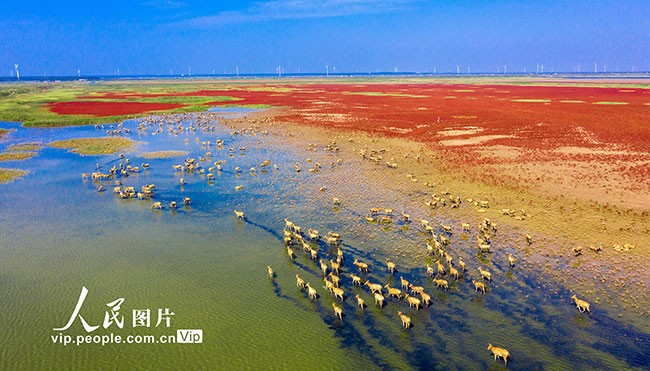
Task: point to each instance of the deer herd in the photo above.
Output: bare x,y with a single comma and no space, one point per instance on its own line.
358,273
414,296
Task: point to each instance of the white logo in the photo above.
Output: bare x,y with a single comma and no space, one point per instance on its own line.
141,317
189,336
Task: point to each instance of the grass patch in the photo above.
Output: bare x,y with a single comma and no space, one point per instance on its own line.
28,103
16,156
8,175
164,154
532,100
28,107
612,103
95,146
32,146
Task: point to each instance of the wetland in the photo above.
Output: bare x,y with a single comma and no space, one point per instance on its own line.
62,231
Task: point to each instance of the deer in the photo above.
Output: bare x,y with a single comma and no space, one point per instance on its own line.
479,286
360,302
323,267
394,291
453,272
335,279
300,282
390,265
405,283
582,305
426,298
362,267
356,280
461,264
338,311
499,353
413,301
335,266
512,260
374,287
406,320
441,268
441,283
379,299
338,293
312,292
485,274
416,289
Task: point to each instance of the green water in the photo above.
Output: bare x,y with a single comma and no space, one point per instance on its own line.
59,234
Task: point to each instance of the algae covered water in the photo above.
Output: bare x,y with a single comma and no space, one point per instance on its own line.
157,274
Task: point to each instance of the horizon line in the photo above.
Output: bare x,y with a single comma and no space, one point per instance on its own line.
318,74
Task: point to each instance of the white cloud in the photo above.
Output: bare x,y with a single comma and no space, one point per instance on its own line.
297,9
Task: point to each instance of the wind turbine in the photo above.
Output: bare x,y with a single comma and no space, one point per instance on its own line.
505,69
334,70
595,67
327,70
458,69
189,71
78,72
17,72
237,71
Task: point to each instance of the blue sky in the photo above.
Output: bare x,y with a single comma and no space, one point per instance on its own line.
159,36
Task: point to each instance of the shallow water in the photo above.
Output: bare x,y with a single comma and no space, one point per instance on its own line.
58,234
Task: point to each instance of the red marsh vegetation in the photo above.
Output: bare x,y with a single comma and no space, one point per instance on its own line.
471,124
537,116
105,109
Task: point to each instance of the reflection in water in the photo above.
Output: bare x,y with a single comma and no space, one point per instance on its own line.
59,234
